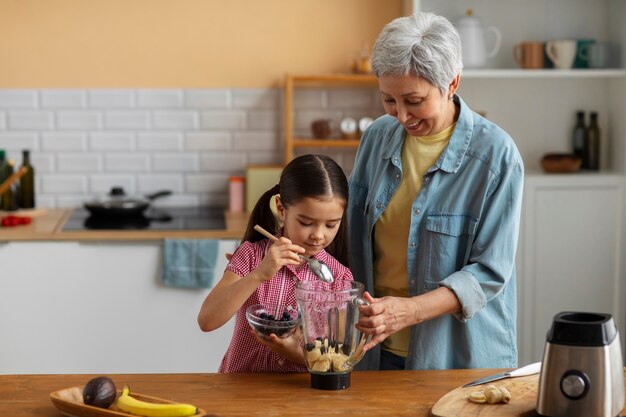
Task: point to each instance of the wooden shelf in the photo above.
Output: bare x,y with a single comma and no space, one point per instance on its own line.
543,73
325,143
335,79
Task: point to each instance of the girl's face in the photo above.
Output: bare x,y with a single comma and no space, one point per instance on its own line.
417,104
312,223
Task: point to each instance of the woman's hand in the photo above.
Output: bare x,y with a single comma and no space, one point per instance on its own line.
289,347
384,317
280,253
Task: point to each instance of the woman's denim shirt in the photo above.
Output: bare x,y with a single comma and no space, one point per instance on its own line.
464,230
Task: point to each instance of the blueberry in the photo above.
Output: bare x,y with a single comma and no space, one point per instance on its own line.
286,315
310,346
263,315
271,317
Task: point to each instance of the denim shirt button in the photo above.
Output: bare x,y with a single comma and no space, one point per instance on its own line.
413,245
426,179
412,282
379,204
397,176
417,212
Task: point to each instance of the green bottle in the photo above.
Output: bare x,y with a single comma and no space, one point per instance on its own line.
7,200
4,170
27,183
592,149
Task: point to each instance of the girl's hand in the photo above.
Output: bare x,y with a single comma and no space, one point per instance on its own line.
289,347
280,253
384,317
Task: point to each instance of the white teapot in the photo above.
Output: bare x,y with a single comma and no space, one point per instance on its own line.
472,35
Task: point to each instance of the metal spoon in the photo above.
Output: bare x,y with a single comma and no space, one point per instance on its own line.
319,268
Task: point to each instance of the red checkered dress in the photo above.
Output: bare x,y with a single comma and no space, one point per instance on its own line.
245,353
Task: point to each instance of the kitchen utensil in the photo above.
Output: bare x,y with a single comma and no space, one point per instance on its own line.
69,401
6,184
561,162
319,268
523,400
531,369
583,371
266,319
472,33
561,53
529,55
118,203
332,343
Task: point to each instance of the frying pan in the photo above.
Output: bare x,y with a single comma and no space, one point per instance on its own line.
119,204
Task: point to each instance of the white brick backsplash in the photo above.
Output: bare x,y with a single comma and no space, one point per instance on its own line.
350,98
223,162
256,141
85,141
264,119
127,120
43,163
11,141
18,99
111,141
265,158
151,183
63,99
215,141
175,163
257,99
208,99
309,99
79,120
160,99
304,118
207,183
30,120
234,119
102,184
111,99
45,201
79,163
179,120
63,141
159,141
59,184
116,162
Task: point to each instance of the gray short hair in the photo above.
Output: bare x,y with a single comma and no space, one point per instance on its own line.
424,44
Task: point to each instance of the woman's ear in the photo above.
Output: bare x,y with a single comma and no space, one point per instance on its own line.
454,85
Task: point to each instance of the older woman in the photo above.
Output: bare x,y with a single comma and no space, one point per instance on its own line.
435,200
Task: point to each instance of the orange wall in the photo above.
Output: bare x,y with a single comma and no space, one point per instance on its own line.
181,43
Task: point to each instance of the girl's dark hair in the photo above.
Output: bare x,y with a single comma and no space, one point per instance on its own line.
315,176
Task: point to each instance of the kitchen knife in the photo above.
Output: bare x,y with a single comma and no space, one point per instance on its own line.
531,369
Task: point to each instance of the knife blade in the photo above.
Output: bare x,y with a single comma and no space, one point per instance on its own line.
531,369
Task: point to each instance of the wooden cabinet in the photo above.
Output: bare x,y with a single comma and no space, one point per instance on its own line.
317,81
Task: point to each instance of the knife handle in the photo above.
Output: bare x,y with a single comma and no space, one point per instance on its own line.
531,369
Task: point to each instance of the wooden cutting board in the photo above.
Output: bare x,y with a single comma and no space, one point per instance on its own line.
523,400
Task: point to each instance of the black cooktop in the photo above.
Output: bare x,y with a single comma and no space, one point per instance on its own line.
161,218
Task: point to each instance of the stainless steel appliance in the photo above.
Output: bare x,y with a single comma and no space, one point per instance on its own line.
583,372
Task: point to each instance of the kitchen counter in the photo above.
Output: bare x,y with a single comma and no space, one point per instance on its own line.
372,393
48,225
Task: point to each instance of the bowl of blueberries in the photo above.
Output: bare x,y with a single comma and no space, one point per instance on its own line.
266,319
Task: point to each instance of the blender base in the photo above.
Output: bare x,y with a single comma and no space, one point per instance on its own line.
330,381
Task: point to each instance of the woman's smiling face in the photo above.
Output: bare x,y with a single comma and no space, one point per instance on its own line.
417,104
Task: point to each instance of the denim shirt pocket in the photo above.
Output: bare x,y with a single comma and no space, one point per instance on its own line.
446,245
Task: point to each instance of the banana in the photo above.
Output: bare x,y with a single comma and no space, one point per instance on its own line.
132,405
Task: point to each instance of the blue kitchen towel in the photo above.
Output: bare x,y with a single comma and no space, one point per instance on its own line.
189,263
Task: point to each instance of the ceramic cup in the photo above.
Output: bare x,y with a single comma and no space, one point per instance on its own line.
562,53
582,53
529,55
599,54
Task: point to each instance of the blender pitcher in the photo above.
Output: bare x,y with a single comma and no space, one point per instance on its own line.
332,343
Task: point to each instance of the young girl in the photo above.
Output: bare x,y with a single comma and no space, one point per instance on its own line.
310,199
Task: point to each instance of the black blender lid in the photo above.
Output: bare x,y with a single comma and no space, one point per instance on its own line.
582,329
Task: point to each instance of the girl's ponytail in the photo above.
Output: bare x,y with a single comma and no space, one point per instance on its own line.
263,216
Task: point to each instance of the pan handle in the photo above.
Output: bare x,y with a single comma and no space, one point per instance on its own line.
158,194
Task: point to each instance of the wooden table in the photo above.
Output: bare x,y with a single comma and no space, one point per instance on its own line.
372,394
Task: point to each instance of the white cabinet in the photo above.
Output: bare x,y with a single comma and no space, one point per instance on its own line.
69,307
570,253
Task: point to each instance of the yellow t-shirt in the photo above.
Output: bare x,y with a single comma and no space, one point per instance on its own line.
392,229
